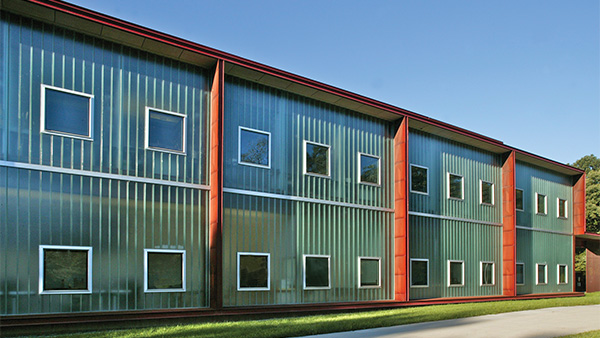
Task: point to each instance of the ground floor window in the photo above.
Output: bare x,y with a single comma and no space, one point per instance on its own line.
541,272
419,272
253,271
316,272
164,270
369,272
562,274
456,273
520,273
65,269
487,273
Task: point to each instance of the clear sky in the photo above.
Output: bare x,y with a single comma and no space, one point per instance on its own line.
525,72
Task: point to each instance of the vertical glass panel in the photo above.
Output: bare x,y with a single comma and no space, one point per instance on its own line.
65,270
562,208
456,273
369,272
317,159
253,271
455,186
487,273
562,274
316,273
487,193
67,112
419,270
541,274
520,273
369,169
165,270
165,130
541,204
519,199
418,179
254,147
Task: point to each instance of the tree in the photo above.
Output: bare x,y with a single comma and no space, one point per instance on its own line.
591,165
588,163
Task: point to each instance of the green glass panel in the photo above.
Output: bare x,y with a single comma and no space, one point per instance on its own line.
316,273
254,271
369,272
419,273
317,159
369,169
418,179
65,269
165,270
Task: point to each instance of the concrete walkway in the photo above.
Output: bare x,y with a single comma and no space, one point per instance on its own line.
550,322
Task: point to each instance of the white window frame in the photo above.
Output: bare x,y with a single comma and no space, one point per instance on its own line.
378,259
448,187
328,273
328,159
411,272
183,272
558,274
422,167
523,264
147,131
240,128
43,129
481,273
463,272
558,199
523,199
481,182
537,279
545,204
240,288
41,276
378,184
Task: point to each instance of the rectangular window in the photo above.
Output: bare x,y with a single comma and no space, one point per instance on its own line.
455,186
253,271
561,208
419,272
165,130
519,199
254,147
369,271
316,159
66,112
541,274
456,273
562,277
419,180
65,269
487,273
369,169
164,270
316,272
520,273
486,190
540,204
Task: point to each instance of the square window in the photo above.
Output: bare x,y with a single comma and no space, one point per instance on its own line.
419,179
562,277
316,272
561,208
165,130
456,273
164,270
66,112
253,271
254,147
486,192
369,272
65,269
487,273
316,159
520,273
541,274
455,186
419,272
369,169
540,204
519,199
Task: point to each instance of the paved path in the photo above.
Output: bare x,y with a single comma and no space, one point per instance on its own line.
550,322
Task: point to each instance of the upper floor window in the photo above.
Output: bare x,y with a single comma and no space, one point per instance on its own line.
165,130
419,180
254,147
65,269
519,199
561,208
540,204
316,159
456,186
164,270
486,190
369,169
66,112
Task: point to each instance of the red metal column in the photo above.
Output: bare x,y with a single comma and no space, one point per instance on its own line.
216,188
509,234
579,206
401,211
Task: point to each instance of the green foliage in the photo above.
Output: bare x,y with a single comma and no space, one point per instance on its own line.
588,163
580,260
591,165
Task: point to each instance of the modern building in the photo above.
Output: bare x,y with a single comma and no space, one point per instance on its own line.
141,173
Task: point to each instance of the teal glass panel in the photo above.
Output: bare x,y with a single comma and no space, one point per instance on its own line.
369,272
418,179
67,113
165,131
65,270
419,273
254,147
254,271
165,270
369,169
316,273
456,273
317,159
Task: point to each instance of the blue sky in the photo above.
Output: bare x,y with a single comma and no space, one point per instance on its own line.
524,72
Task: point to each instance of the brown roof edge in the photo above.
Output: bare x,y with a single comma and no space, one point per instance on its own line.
100,18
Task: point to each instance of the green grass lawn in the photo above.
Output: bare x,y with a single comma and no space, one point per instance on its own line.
308,325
